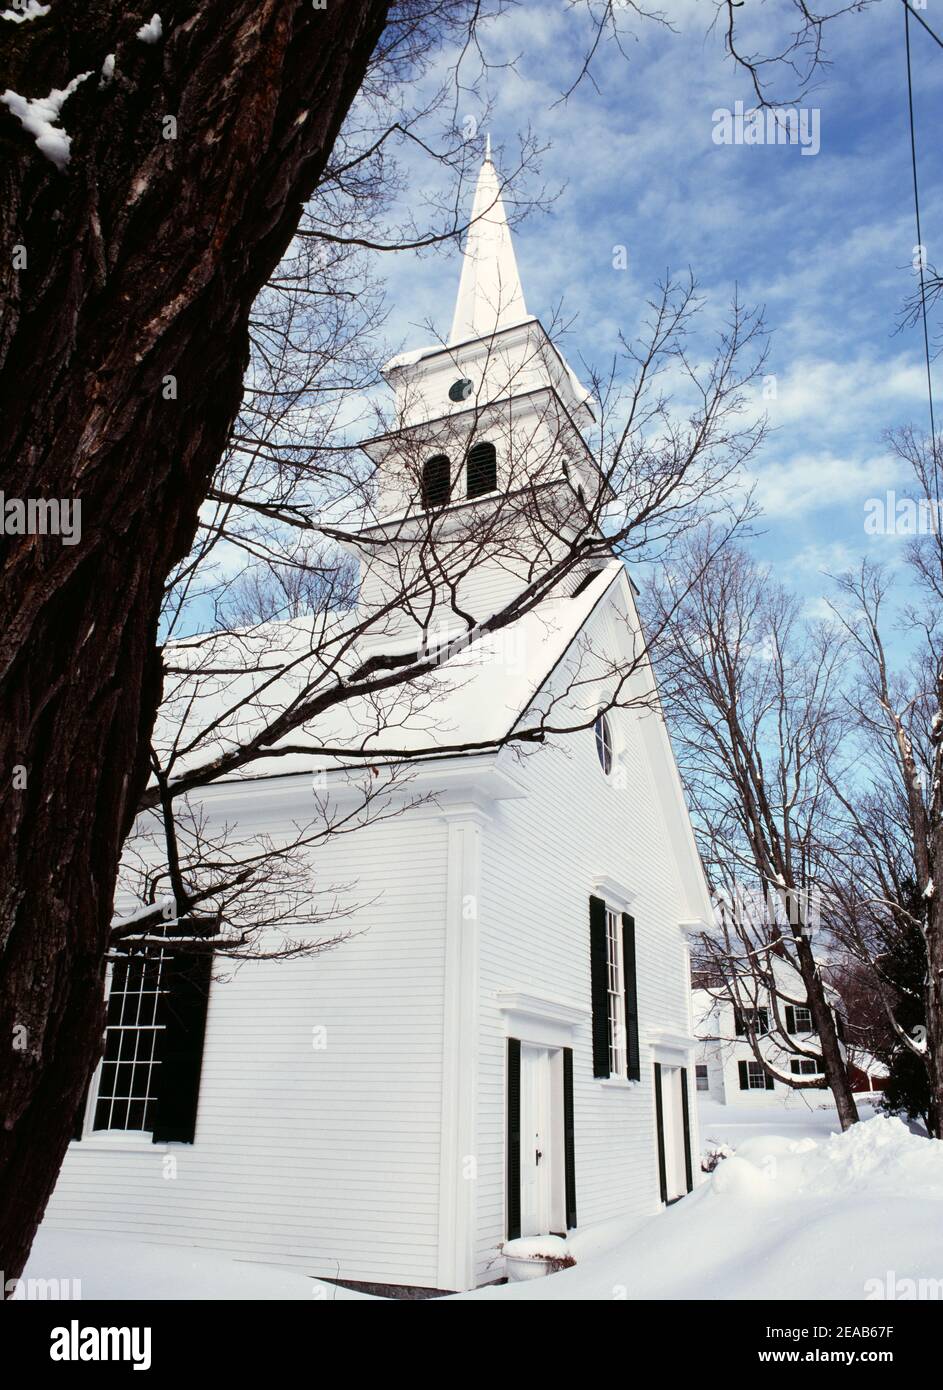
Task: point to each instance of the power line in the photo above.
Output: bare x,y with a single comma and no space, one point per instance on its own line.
926,26
923,295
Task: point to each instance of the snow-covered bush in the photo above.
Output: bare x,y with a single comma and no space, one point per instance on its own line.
713,1155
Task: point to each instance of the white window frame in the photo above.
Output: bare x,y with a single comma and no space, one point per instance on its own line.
802,1009
701,1074
757,1017
149,1094
804,1066
615,993
756,1076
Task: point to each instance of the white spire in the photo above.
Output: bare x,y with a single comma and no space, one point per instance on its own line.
489,293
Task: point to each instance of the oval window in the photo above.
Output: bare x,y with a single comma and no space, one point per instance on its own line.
603,742
460,390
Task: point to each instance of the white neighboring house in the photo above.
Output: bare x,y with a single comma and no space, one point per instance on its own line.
726,1066
504,1047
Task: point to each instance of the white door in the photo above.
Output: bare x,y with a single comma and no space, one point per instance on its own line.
672,1109
536,1139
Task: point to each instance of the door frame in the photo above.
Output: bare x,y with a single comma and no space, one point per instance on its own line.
663,1130
556,1210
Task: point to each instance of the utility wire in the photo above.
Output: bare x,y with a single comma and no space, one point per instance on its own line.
920,258
923,22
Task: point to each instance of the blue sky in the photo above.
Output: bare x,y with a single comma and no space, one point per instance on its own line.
824,242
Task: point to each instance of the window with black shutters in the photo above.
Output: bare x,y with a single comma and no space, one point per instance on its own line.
149,1076
129,1078
752,1020
754,1077
614,992
436,482
481,469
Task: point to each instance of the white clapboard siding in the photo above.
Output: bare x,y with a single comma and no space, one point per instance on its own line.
540,857
329,1161
325,1160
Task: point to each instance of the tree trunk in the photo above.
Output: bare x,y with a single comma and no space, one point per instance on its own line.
122,351
836,1072
934,1006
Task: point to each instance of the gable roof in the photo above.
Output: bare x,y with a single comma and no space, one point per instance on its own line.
469,702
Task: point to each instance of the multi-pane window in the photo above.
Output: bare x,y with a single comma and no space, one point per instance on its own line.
700,1072
805,1066
130,1068
803,1018
616,993
755,1020
757,1076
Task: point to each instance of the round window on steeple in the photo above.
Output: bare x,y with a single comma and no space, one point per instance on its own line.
460,390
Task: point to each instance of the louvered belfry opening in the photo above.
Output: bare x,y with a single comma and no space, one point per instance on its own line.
436,482
481,469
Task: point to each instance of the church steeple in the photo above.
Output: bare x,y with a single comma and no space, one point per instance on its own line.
490,296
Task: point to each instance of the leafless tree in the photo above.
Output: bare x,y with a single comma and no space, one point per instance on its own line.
890,826
140,232
752,698
782,50
142,239
747,960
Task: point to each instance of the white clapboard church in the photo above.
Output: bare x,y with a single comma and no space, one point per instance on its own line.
503,1045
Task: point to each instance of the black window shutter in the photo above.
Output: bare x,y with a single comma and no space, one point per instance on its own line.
660,1125
569,1139
686,1118
186,979
738,1023
514,1139
839,1026
790,1019
744,1071
599,984
770,1083
632,1059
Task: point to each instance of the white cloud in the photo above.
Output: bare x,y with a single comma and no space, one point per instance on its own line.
806,482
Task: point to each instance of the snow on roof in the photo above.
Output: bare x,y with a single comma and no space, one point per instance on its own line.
472,698
408,359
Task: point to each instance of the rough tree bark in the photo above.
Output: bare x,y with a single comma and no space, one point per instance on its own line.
142,258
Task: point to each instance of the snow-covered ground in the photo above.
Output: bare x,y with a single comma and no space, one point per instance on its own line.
798,1114
112,1268
798,1211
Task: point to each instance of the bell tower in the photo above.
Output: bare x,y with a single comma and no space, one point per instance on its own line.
486,466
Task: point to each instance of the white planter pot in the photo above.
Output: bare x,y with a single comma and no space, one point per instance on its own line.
526,1267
